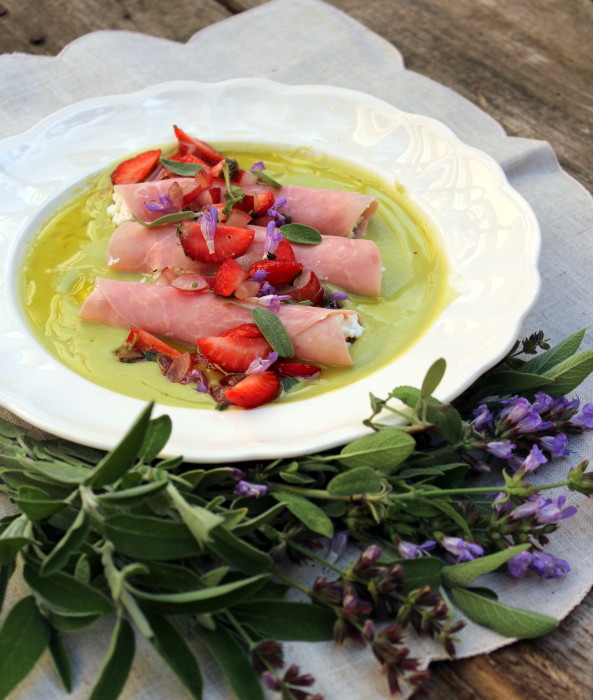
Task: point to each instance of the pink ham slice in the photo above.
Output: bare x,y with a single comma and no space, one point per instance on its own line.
316,333
354,264
331,212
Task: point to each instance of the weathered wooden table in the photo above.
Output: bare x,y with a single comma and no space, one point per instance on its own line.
528,63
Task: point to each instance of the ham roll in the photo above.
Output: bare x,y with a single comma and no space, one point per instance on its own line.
354,264
317,334
331,212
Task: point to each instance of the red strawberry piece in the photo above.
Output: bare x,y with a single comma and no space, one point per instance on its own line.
284,251
254,390
238,218
245,330
195,147
136,169
228,277
262,203
229,242
306,287
145,342
297,370
233,353
278,271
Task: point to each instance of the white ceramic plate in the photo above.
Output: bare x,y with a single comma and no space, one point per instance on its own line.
488,232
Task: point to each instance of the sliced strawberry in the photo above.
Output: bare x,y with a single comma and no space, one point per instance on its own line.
278,271
245,330
254,390
263,202
228,277
195,147
284,251
136,169
229,242
145,342
233,353
306,287
297,369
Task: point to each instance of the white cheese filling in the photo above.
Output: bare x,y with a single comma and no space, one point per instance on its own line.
119,211
351,328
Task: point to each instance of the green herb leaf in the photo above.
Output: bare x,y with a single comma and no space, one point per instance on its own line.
433,378
264,179
239,553
568,374
508,621
23,638
132,496
157,435
541,364
289,382
6,571
384,450
355,481
179,168
514,381
10,547
200,521
422,571
168,219
273,331
308,513
203,600
67,595
448,420
172,648
170,576
460,574
146,538
287,621
232,661
39,509
299,233
117,663
70,543
253,524
61,659
116,463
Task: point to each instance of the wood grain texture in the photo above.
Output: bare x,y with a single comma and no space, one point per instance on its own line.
525,62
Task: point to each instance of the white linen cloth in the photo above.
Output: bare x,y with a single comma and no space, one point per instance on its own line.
325,46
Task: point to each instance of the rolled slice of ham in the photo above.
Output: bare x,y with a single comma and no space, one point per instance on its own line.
317,334
331,212
354,264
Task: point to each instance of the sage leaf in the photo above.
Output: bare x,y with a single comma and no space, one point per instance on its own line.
6,571
288,383
116,463
67,595
179,168
264,179
254,523
448,421
232,661
568,374
544,362
384,450
460,574
157,435
38,509
117,663
299,233
273,331
239,553
131,496
308,513
146,538
10,547
355,481
433,378
56,471
23,638
70,543
203,600
71,623
422,571
174,651
287,621
515,381
447,508
170,576
508,621
199,521
168,219
61,659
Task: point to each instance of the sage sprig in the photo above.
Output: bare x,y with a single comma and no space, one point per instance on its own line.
180,551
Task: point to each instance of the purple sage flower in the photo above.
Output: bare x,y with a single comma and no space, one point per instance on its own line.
531,507
338,545
520,416
464,551
258,166
162,204
482,417
244,488
208,222
534,459
517,566
279,219
261,365
556,445
271,682
540,563
196,375
272,301
409,550
266,290
259,275
273,238
502,449
334,298
583,419
553,511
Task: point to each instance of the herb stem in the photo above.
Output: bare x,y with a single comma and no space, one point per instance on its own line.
291,582
237,625
315,557
475,489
